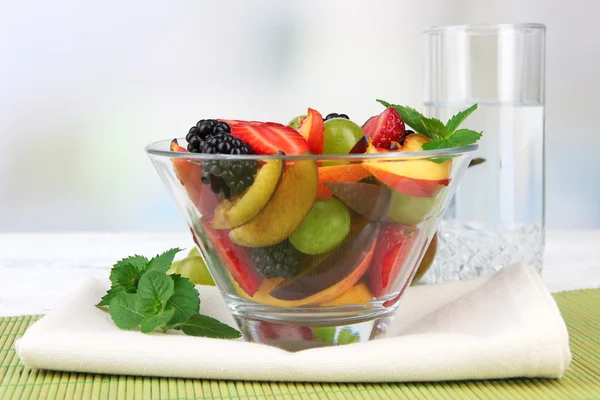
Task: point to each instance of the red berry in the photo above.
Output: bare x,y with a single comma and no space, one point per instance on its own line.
269,137
393,246
385,128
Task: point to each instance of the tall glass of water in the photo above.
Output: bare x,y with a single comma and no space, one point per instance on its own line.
497,215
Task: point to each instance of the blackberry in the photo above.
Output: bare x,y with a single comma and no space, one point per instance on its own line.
278,261
204,129
336,115
227,177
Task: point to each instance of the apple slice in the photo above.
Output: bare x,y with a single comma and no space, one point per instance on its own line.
393,246
189,174
311,128
234,258
231,214
290,203
368,200
335,274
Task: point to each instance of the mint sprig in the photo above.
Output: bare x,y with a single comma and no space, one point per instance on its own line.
143,295
443,136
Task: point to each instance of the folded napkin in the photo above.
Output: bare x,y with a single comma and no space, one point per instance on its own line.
501,326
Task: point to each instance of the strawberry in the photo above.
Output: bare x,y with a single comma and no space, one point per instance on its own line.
393,246
235,258
385,128
269,137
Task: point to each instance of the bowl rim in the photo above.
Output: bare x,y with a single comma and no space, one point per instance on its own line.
153,149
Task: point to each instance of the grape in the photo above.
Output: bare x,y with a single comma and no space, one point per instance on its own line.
295,123
340,136
194,252
324,228
194,269
409,210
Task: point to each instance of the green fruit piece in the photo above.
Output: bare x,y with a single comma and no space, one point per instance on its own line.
347,337
295,123
409,210
327,335
324,228
194,252
194,269
340,136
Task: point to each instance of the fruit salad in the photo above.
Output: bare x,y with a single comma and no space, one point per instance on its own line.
284,221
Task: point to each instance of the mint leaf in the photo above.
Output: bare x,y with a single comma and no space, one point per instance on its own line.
163,262
150,324
460,138
185,300
149,307
430,127
126,276
202,325
137,261
459,118
123,311
112,292
157,286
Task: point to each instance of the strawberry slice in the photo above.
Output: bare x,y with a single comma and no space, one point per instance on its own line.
393,246
312,128
269,137
235,258
385,128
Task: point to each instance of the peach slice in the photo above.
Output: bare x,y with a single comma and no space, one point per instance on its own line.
420,178
357,294
231,214
339,173
189,174
311,128
286,209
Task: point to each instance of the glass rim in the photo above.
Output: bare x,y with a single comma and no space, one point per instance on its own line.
153,149
484,27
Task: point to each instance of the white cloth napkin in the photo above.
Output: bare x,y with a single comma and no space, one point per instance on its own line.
501,326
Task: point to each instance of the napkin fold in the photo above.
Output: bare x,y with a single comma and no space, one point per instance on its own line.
500,326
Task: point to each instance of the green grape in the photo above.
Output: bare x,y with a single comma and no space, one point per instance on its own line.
340,136
324,228
327,335
295,123
194,269
409,210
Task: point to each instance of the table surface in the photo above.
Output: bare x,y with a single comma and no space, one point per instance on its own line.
39,269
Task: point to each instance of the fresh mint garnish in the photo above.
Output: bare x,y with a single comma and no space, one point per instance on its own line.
162,262
443,136
143,295
202,325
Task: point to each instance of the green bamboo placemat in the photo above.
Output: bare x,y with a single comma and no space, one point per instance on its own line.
581,310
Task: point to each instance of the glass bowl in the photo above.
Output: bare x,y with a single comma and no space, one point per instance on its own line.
318,250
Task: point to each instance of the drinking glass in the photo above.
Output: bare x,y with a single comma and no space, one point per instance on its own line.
497,215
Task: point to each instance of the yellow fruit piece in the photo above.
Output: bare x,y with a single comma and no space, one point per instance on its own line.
292,200
357,294
233,214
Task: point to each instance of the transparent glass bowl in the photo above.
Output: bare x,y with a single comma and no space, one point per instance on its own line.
339,238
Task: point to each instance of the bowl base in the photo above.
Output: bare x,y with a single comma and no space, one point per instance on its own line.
296,337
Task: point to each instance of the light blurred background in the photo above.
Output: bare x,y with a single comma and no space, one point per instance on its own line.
85,85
